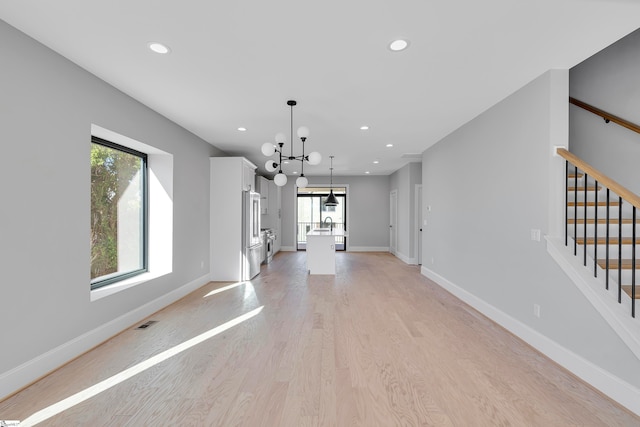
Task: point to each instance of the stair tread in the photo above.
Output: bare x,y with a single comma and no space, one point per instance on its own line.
589,188
613,264
593,204
603,240
627,289
603,221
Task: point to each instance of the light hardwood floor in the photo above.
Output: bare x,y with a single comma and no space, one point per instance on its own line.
376,345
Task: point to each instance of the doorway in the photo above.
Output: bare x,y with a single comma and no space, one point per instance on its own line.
312,213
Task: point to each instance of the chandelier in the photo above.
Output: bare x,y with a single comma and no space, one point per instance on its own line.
269,149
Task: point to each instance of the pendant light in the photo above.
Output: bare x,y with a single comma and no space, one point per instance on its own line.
268,149
331,199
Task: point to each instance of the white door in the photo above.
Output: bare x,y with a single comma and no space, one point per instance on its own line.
393,221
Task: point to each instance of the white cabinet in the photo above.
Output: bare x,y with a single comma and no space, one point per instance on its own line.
275,213
321,253
263,188
229,176
248,174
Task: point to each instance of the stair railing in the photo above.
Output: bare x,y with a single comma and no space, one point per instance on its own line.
573,170
608,117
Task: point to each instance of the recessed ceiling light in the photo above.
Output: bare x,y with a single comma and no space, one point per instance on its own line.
367,172
398,45
375,162
389,145
159,48
295,172
286,162
364,127
241,129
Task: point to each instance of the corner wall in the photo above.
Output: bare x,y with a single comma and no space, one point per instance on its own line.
404,181
609,81
488,185
46,114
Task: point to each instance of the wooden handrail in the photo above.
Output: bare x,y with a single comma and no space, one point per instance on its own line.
609,183
608,117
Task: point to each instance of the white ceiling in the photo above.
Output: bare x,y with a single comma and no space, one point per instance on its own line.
236,63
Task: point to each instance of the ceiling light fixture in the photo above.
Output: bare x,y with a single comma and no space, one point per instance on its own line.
375,162
364,127
331,199
268,149
158,48
398,45
389,145
241,129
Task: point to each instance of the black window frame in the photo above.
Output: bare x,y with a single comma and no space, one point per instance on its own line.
119,276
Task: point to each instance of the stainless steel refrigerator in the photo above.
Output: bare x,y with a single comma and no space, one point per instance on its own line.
251,238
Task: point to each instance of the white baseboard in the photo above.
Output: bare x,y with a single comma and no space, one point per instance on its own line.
21,376
288,248
368,249
617,389
405,258
605,301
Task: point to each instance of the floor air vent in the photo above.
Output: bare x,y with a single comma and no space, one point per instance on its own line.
147,324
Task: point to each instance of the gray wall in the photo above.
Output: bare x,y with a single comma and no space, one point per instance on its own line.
404,181
47,106
609,81
368,206
488,185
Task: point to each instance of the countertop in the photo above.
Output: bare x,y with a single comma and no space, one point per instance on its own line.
327,232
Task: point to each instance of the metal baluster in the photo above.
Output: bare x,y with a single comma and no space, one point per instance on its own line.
620,250
633,266
575,210
584,235
566,203
607,245
595,233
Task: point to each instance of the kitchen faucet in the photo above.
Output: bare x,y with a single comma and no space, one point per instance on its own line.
324,223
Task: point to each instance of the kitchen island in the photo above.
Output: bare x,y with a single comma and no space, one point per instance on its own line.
321,250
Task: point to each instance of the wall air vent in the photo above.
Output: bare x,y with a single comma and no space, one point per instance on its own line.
145,325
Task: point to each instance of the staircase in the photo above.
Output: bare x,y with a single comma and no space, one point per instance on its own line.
600,229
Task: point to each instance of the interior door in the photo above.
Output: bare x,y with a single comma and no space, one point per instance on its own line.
393,220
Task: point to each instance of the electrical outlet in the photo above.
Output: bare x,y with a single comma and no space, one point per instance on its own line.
535,235
433,260
201,264
536,310
429,208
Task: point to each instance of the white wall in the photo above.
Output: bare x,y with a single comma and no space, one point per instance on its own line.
609,81
368,210
488,185
404,180
47,107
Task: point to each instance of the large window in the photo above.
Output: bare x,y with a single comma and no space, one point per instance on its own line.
118,212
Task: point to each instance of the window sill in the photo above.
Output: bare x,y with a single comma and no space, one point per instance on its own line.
122,285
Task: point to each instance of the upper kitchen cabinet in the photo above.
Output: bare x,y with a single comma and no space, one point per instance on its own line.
263,188
248,175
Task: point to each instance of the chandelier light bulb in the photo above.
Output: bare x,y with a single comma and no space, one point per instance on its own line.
268,149
314,158
303,132
302,182
280,179
270,166
281,138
